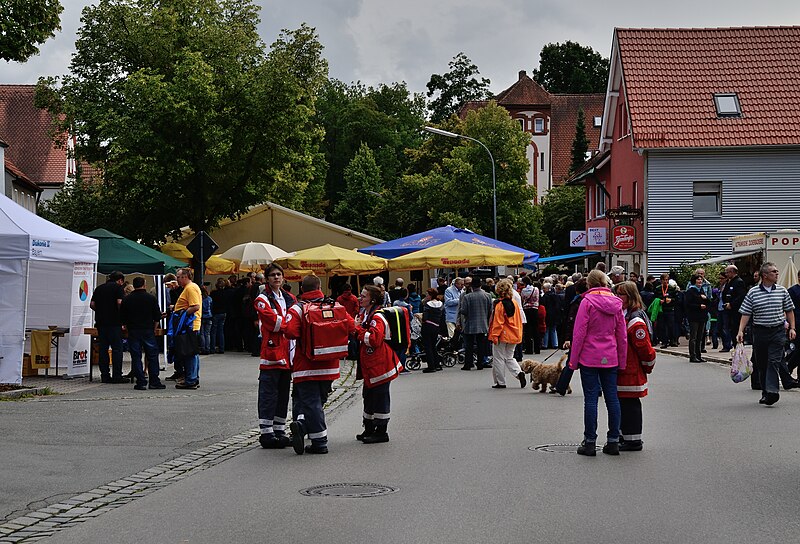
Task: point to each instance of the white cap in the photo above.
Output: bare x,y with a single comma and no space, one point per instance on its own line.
377,280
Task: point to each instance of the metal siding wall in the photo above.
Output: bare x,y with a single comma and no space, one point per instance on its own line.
673,235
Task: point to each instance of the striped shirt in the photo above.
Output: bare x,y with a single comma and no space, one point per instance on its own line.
767,307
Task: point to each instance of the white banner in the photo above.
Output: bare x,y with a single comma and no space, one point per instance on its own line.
80,318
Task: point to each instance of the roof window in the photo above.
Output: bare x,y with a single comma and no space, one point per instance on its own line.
727,105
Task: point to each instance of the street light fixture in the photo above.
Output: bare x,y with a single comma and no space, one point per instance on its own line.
441,132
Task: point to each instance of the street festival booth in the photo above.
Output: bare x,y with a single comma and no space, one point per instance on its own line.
781,247
456,254
47,274
328,260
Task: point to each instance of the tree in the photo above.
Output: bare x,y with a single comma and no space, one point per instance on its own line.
580,144
571,68
24,24
80,206
191,119
457,188
454,88
563,210
387,118
363,185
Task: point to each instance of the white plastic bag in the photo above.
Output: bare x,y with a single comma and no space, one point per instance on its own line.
741,367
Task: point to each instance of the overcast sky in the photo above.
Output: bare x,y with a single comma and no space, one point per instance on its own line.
382,41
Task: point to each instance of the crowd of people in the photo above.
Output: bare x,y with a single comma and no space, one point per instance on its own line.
608,325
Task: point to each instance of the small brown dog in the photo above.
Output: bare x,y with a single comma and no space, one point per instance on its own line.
542,374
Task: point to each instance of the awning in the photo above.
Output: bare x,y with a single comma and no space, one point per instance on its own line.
567,257
724,258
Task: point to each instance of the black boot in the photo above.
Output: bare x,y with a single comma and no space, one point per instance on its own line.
631,445
587,448
378,436
369,430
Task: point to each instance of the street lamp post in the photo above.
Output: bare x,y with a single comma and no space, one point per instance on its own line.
441,132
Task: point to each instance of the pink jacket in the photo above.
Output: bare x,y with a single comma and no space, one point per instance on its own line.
599,339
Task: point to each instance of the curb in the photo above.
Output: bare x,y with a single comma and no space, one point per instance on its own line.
708,358
17,393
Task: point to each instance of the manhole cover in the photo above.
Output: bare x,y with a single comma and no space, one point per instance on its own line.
557,448
350,491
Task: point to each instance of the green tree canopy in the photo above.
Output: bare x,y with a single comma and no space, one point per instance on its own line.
580,144
386,118
454,88
25,24
356,207
563,210
456,186
190,117
571,68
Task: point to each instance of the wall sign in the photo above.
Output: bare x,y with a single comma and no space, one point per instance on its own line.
623,238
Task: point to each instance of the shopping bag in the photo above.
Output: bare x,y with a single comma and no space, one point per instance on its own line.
186,345
741,367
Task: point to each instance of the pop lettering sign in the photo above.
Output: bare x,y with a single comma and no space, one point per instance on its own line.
784,240
623,238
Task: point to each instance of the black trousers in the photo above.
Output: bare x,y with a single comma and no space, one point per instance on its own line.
273,400
696,335
429,336
377,405
469,349
631,418
531,339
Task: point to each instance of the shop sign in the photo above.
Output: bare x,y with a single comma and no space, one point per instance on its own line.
623,238
748,242
784,240
597,236
577,238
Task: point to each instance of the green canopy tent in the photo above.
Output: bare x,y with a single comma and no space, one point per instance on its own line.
119,253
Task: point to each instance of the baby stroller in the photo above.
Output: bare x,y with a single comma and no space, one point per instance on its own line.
415,353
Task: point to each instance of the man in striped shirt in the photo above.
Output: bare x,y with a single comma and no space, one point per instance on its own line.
769,306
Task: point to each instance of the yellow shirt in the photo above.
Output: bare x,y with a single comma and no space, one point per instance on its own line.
191,297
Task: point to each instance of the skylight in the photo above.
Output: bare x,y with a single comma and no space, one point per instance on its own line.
727,105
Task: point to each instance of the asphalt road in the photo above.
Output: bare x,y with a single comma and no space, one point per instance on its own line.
717,467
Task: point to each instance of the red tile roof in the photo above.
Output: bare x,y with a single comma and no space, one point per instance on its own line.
564,117
525,92
25,128
671,76
22,179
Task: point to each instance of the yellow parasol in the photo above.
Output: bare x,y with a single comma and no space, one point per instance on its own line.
214,265
330,260
456,254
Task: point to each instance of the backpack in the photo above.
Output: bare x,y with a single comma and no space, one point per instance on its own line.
325,330
399,333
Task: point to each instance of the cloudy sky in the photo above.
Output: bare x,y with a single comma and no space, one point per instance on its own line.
377,41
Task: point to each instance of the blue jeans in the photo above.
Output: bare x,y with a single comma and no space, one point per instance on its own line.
550,339
205,334
723,329
110,337
592,380
138,339
217,332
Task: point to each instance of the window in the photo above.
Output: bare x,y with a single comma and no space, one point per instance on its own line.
622,117
590,203
727,105
541,161
538,125
635,194
522,124
600,200
598,121
619,196
707,198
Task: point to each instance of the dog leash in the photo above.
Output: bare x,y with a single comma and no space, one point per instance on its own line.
556,351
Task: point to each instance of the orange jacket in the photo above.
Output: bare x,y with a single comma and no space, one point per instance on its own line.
504,328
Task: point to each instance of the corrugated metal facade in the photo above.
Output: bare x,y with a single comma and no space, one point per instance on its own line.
760,192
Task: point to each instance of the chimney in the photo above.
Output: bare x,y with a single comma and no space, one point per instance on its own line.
522,74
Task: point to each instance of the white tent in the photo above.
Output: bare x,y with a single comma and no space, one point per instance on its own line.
46,278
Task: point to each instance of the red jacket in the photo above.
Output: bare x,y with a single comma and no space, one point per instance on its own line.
378,361
632,380
271,318
304,369
350,302
542,319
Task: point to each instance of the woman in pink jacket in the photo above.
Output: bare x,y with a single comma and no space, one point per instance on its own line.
599,349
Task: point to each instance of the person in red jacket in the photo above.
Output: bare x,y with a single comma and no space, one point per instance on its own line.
378,365
632,380
348,300
312,379
274,368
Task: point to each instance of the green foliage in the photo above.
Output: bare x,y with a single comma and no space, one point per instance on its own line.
571,68
563,210
684,271
450,181
580,144
189,115
386,118
81,206
454,88
357,204
24,24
